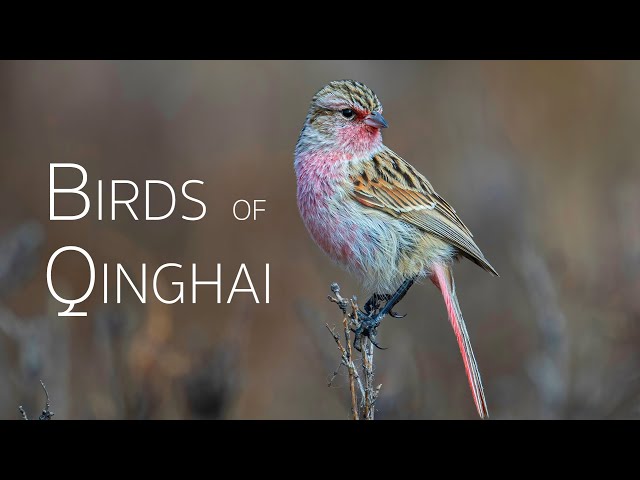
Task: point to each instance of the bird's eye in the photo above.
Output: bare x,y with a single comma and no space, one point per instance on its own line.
347,113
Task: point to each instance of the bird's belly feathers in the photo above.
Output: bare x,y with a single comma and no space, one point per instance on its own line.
376,247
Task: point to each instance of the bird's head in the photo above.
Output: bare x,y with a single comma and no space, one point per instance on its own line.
344,115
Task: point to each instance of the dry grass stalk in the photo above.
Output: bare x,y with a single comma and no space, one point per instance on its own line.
46,413
363,393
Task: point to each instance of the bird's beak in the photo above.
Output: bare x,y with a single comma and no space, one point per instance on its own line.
376,120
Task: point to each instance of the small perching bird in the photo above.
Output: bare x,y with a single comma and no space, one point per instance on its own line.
376,215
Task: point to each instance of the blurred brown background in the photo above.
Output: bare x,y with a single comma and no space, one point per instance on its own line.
540,159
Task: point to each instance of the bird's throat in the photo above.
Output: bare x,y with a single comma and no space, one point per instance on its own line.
359,142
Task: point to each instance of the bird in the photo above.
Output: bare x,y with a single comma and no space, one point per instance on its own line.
376,216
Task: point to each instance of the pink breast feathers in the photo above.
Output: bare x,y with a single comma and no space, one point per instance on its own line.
319,179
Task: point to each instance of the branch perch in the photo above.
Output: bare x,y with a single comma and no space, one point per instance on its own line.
46,413
364,396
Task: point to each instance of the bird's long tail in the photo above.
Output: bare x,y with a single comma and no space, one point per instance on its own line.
442,277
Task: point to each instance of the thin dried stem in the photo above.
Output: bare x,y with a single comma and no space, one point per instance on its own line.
46,413
346,361
364,408
23,413
352,371
367,368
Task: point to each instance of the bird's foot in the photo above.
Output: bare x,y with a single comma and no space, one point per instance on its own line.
396,314
372,313
374,306
368,327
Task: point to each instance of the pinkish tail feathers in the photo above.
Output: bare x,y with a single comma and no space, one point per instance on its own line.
442,277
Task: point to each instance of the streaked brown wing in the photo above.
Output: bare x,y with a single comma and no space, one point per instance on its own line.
390,184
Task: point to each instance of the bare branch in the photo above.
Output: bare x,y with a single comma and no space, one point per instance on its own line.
346,361
335,374
46,413
23,413
362,408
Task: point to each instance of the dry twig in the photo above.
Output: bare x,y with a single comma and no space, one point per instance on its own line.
365,407
46,413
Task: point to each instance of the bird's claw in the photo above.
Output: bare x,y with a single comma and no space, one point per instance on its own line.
368,328
367,319
356,343
372,306
372,339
